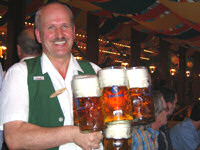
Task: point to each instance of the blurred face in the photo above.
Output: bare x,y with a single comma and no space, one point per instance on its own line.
164,104
57,31
171,106
161,118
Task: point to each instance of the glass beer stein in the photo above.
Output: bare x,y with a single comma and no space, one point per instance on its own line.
76,122
87,101
116,102
140,94
118,137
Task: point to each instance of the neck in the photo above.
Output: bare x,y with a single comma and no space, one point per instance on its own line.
61,65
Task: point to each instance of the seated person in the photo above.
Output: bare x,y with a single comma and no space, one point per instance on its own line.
170,97
146,137
186,134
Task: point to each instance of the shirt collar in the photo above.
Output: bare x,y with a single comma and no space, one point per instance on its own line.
74,66
25,58
47,66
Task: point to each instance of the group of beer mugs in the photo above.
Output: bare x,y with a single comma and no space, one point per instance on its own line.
113,100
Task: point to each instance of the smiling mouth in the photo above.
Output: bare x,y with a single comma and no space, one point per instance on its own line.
59,42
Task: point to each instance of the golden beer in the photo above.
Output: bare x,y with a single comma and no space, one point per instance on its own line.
90,113
116,105
87,103
118,137
76,122
140,95
142,105
116,101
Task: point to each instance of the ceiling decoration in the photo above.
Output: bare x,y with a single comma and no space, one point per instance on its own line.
176,21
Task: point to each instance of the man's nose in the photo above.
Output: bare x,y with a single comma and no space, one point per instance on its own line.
59,33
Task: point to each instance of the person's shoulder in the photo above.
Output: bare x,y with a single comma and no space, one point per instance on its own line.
16,67
185,125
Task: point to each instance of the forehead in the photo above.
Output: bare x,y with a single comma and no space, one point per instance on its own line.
55,11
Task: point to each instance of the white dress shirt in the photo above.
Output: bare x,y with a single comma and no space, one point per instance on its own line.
14,99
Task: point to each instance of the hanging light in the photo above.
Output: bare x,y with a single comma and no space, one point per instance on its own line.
78,58
125,64
172,72
1,52
187,73
152,69
4,47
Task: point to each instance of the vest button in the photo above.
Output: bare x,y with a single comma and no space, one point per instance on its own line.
60,119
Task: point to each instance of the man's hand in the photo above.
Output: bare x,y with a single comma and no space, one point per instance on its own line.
161,119
88,141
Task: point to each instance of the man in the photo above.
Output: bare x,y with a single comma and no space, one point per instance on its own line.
33,120
27,46
170,98
186,134
160,107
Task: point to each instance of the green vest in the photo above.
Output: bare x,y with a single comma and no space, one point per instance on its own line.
43,110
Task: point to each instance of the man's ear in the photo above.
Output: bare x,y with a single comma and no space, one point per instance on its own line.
19,53
37,34
74,32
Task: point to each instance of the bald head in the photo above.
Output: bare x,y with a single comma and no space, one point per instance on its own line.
50,6
27,44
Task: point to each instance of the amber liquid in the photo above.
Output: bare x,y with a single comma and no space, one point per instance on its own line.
90,114
116,104
76,122
142,105
117,144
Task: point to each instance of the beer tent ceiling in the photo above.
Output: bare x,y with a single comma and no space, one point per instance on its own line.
176,21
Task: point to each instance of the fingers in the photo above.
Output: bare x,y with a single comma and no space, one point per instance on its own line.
95,140
96,137
90,140
99,135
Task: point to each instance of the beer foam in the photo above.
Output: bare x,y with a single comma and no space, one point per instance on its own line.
118,131
112,76
138,77
86,86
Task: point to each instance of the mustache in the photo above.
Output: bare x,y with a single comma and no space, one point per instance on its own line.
60,39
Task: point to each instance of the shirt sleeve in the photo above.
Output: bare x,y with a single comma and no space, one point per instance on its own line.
14,95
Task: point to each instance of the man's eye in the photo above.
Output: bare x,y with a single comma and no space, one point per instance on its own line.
50,27
65,26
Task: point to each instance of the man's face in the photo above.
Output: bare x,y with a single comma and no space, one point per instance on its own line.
171,106
57,31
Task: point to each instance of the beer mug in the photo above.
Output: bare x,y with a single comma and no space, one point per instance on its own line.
87,98
76,122
116,102
118,137
140,94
